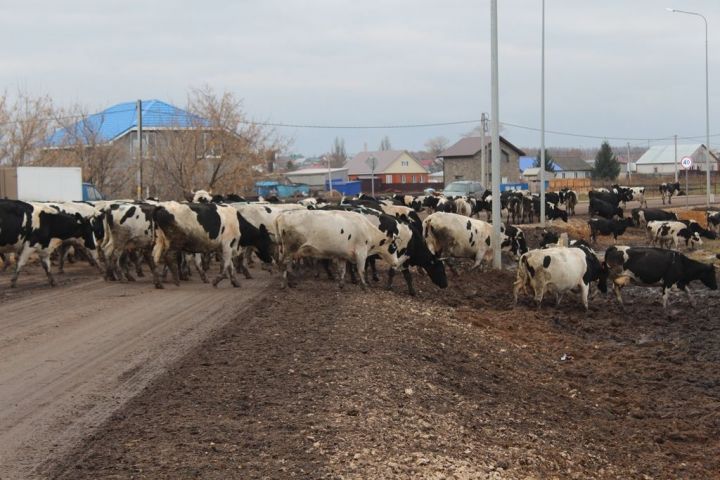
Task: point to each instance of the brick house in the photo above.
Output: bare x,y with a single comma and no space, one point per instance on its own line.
461,161
394,167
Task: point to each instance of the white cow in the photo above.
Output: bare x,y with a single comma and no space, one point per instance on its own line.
453,235
557,270
333,235
672,234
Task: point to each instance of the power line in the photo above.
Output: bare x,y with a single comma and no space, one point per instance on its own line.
373,127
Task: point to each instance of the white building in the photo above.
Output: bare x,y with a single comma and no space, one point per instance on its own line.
316,177
661,159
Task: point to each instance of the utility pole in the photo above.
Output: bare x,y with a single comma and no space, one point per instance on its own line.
139,151
542,122
627,165
495,126
676,169
483,152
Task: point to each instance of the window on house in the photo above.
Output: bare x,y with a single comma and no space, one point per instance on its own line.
388,179
403,179
655,169
505,156
404,163
414,179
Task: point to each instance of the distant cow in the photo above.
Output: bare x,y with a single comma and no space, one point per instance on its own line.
641,216
695,227
647,266
713,221
667,234
667,190
604,226
128,228
604,209
569,199
558,270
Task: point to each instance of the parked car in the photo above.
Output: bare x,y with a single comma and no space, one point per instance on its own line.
468,188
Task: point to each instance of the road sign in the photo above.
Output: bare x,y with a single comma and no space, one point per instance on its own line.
686,163
372,163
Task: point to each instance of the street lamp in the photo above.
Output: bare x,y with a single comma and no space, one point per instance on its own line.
707,102
542,122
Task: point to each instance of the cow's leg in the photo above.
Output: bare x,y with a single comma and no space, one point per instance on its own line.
147,255
584,293
409,281
45,262
198,261
691,300
171,260
138,264
242,260
373,268
479,257
62,252
21,260
558,298
361,258
665,296
353,272
342,266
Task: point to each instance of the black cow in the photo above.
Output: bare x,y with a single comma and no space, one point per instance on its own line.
667,190
603,226
604,209
516,237
649,266
552,197
641,216
609,197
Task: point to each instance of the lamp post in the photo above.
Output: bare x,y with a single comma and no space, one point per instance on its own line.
495,132
329,175
707,103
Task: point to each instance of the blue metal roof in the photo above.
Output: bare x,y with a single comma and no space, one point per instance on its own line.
529,162
119,119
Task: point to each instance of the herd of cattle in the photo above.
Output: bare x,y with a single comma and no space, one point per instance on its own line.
171,236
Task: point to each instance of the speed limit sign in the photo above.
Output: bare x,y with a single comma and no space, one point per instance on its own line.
686,163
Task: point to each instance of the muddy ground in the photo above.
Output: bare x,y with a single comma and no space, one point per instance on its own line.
316,383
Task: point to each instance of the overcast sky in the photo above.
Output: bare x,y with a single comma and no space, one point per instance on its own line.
614,68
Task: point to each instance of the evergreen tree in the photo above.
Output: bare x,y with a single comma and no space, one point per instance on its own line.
549,162
606,165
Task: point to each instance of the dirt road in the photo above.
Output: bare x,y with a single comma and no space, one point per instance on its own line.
72,355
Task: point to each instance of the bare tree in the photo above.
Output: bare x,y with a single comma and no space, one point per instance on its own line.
436,145
385,143
217,148
25,123
338,155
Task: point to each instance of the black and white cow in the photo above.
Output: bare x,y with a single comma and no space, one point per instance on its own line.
633,193
205,228
558,270
641,216
551,211
612,198
695,227
27,228
713,221
129,229
648,266
552,239
202,196
672,234
334,235
603,226
457,236
568,198
604,209
667,190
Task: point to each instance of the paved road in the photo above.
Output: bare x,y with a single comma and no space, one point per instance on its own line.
72,355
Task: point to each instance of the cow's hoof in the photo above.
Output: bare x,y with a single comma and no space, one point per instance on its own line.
412,293
159,286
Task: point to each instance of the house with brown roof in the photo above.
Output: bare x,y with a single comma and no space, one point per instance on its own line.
461,161
393,167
